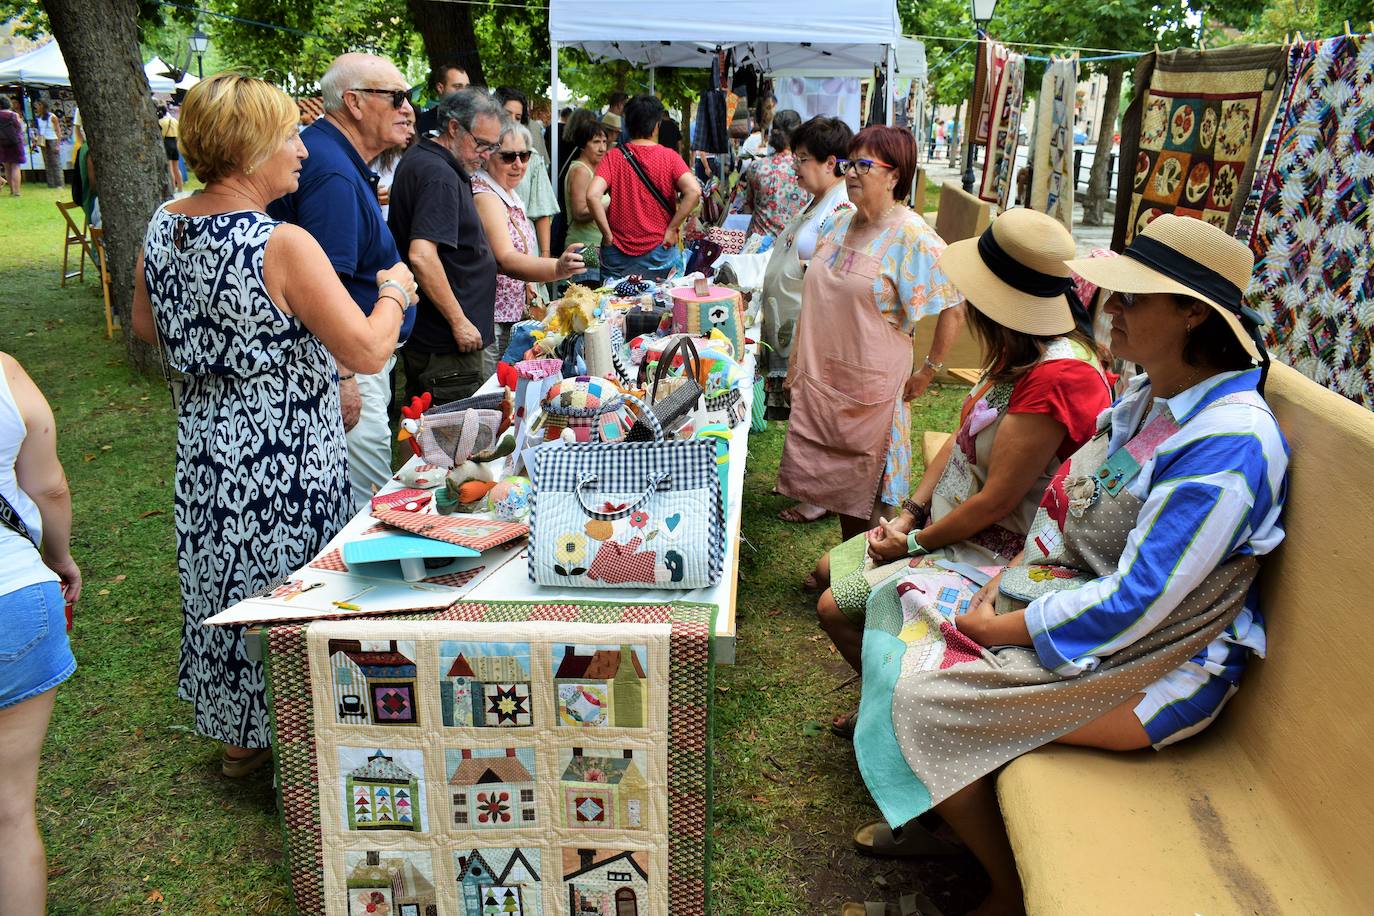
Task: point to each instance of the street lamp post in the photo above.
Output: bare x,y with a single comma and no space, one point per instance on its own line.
982,14
198,43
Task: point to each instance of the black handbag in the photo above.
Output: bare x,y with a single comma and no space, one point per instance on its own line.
680,407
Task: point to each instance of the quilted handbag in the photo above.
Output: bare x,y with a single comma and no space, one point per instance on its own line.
450,434
586,409
702,253
628,514
680,413
726,407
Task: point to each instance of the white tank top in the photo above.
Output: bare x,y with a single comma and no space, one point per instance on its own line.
20,563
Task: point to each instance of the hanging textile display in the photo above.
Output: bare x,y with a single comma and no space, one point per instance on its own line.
1314,226
1052,168
1000,161
1190,138
992,57
496,758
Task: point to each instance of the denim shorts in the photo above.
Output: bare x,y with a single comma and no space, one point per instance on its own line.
34,654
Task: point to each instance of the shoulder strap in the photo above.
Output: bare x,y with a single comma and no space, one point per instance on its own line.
639,170
9,517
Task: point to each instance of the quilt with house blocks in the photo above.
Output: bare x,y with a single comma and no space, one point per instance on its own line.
496,759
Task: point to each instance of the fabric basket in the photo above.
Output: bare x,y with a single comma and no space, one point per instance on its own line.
726,408
630,514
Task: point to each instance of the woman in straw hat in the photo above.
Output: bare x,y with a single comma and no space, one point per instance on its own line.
1036,403
1129,618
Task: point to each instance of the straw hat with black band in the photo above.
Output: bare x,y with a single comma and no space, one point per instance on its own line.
1187,257
1014,273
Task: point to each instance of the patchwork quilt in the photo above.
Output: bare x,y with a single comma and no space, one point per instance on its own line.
1190,138
495,759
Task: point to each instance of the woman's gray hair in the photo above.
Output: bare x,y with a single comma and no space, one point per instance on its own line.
465,107
512,126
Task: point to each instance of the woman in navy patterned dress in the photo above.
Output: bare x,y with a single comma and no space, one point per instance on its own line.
250,310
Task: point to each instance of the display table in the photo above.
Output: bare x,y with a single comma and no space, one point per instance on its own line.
499,575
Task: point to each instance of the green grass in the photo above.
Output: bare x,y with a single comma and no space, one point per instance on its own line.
136,817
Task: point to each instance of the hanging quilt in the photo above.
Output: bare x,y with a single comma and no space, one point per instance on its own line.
1000,161
1312,235
1190,138
992,58
533,759
1052,172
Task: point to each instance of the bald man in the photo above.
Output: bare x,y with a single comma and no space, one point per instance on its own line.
366,110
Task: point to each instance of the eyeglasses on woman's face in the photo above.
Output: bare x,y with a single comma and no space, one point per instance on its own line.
858,166
398,96
509,156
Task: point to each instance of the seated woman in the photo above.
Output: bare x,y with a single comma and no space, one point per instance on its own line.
1036,404
1129,619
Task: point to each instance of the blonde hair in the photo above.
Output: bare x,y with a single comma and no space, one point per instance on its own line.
231,122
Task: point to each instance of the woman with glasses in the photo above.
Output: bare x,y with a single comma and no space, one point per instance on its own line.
772,192
536,188
511,234
873,276
815,148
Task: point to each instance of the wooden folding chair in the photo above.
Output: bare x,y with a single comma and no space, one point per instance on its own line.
74,235
98,257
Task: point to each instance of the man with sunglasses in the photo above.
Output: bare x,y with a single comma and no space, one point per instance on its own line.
366,110
440,233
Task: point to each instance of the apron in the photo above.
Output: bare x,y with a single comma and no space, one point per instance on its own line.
938,710
849,366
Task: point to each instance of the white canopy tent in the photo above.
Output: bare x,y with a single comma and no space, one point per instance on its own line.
159,69
44,66
798,36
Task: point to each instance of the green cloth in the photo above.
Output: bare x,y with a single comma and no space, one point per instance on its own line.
587,233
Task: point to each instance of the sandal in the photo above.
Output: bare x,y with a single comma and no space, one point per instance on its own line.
238,767
798,515
842,726
916,904
875,839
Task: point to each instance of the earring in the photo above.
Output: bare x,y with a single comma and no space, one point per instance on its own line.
249,170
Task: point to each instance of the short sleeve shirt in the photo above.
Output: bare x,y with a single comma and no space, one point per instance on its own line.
637,219
1071,391
431,199
336,202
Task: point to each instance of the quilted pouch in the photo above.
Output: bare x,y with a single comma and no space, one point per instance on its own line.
589,409
682,412
726,407
458,430
628,514
1021,585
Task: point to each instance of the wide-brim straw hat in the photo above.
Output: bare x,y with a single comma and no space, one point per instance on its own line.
1187,257
611,119
1015,274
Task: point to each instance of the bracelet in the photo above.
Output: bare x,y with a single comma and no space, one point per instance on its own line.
405,295
920,513
913,546
938,367
390,298
344,378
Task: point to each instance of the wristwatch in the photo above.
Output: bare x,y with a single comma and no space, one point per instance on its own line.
913,546
929,364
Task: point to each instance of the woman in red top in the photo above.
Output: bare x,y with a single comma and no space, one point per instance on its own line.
640,226
1036,403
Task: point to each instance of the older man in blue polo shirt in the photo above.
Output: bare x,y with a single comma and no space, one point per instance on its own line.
366,110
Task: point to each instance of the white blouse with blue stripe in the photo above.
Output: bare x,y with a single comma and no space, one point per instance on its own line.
1211,491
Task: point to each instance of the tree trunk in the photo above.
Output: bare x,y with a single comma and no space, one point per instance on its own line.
448,34
99,42
1095,201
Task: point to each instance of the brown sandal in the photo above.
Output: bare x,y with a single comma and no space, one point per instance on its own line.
876,839
235,767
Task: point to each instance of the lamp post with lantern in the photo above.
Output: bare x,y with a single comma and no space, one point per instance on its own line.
982,11
198,43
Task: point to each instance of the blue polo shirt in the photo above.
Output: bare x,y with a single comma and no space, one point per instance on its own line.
336,202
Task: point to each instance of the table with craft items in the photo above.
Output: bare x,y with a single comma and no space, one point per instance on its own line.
472,743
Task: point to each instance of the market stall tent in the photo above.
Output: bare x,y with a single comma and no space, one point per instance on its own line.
44,66
805,36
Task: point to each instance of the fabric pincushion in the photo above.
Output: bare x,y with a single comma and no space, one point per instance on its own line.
719,308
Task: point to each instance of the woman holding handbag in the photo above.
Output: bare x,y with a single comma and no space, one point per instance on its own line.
639,229
37,577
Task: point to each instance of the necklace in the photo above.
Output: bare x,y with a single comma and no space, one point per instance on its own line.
881,216
232,195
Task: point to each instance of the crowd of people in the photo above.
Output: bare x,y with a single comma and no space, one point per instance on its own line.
1090,557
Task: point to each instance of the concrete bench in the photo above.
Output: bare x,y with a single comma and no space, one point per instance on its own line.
1270,810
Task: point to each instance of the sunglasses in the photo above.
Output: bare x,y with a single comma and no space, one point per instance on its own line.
1127,300
858,166
508,157
398,96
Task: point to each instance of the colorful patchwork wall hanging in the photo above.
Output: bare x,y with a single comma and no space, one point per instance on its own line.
544,760
1190,138
1312,234
1000,160
1052,175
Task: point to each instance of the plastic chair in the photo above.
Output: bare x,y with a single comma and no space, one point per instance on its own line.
98,257
74,235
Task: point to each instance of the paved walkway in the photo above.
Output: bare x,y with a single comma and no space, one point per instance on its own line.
1086,237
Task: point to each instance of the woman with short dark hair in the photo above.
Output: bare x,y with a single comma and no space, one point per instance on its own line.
848,447
589,141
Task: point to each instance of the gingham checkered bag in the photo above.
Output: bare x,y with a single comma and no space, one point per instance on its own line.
628,514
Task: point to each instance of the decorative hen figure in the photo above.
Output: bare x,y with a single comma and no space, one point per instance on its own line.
410,420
